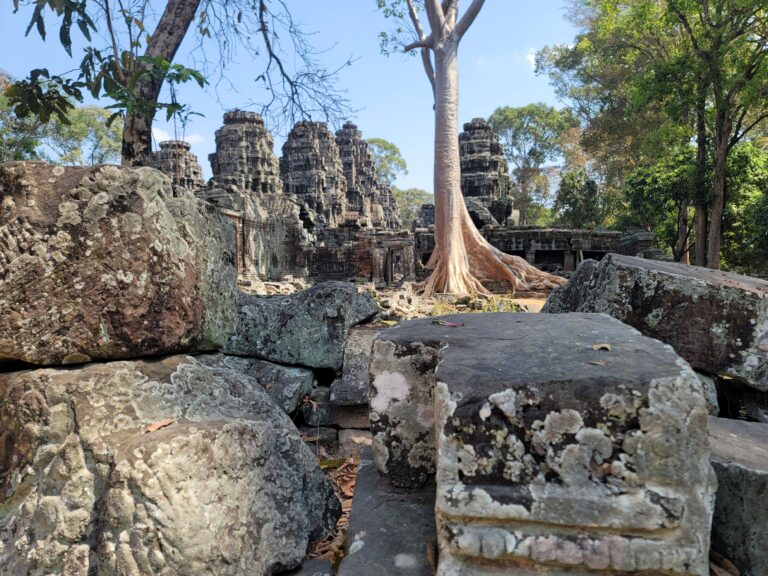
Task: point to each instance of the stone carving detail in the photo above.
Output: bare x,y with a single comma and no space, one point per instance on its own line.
244,155
311,169
175,160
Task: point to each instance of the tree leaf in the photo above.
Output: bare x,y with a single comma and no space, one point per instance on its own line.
154,426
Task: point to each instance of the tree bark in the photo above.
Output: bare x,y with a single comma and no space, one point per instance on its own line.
164,42
700,199
682,247
722,137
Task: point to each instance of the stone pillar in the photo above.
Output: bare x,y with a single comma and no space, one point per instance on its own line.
569,264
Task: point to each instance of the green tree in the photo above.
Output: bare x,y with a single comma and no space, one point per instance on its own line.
578,203
133,59
532,137
19,137
657,194
387,160
462,257
745,222
87,138
409,203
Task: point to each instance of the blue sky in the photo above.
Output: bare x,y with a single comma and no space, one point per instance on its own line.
391,94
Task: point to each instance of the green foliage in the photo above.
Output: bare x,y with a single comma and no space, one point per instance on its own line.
745,225
578,203
120,75
88,137
655,195
409,203
531,138
19,137
387,160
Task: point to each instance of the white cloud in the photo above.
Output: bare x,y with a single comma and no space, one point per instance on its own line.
160,135
530,57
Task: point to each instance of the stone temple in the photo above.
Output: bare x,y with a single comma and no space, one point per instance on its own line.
322,212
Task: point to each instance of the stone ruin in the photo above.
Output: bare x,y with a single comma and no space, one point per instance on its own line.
321,211
175,160
144,400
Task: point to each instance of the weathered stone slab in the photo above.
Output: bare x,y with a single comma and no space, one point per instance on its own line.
740,523
153,467
352,442
307,328
391,530
352,388
104,263
563,441
316,567
716,320
287,386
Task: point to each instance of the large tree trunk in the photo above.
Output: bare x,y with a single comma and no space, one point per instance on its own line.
722,137
462,257
700,199
164,43
682,248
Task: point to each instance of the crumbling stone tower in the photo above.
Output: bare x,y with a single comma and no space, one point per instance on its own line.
369,200
244,154
311,168
175,160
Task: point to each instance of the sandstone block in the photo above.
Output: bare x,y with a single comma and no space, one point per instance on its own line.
716,320
740,523
352,388
307,328
103,263
153,467
287,386
566,441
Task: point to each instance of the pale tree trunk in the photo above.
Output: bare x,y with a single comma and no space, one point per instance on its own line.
682,247
722,138
164,42
700,219
462,258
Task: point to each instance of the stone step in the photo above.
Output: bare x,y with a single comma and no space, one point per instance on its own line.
740,524
391,530
558,441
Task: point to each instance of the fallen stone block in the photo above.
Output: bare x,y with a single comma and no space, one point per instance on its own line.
287,386
717,321
307,328
153,467
352,388
316,567
318,410
740,523
391,530
563,442
103,263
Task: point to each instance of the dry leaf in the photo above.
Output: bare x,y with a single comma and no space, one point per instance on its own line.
157,425
601,346
599,362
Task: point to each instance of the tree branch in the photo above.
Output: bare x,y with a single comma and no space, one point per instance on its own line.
426,59
436,18
468,18
426,43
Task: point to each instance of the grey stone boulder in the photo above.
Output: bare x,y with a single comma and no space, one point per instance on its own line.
318,410
740,524
717,321
153,467
286,385
307,328
103,263
352,387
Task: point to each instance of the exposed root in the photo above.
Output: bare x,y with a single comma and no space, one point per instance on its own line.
463,273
